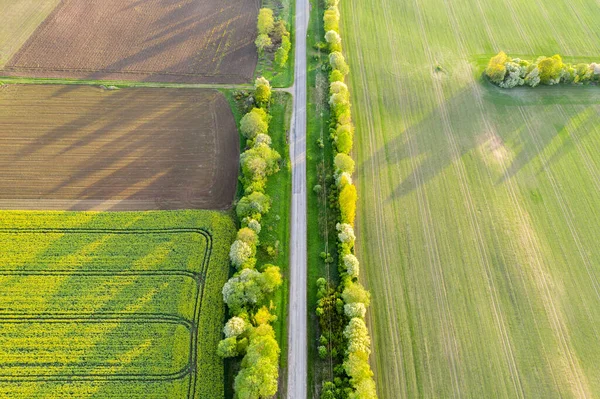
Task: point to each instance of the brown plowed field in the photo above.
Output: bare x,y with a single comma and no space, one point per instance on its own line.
186,41
81,148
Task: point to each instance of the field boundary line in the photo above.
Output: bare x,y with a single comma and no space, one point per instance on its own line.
117,72
125,83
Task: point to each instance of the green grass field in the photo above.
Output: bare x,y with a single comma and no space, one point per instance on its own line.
112,305
478,207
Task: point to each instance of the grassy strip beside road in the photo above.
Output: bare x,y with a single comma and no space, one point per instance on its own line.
275,232
319,165
276,238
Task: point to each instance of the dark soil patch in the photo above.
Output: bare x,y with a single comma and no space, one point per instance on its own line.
80,148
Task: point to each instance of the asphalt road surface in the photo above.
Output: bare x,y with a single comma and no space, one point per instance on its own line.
297,343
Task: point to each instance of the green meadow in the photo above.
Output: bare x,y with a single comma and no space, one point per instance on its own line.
479,207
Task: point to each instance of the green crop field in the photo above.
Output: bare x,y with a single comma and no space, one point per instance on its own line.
112,305
478,207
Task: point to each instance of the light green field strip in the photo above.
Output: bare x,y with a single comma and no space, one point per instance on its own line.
20,18
96,390
50,251
479,216
69,294
47,347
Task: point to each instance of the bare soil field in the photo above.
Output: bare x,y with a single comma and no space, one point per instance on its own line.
85,148
186,41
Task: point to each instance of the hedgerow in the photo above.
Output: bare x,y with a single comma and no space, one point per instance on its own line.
248,293
272,32
509,72
342,310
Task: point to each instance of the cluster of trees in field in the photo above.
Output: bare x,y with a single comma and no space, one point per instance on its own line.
508,72
273,33
249,292
342,309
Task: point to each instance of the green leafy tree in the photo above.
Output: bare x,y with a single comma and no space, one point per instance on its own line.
282,53
361,376
253,205
271,278
241,254
280,31
344,138
254,122
262,92
496,69
344,164
235,326
358,336
228,347
550,69
259,162
355,292
266,21
348,199
334,40
260,370
323,352
336,76
337,61
247,235
331,19
243,290
262,43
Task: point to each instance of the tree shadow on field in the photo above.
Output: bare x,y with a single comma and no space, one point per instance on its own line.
514,132
151,148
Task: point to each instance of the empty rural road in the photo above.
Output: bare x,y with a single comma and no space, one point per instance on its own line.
297,344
